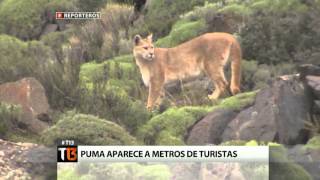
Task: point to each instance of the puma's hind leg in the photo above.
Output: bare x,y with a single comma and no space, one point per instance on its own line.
219,81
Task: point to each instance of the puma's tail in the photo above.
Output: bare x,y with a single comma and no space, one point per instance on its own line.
236,56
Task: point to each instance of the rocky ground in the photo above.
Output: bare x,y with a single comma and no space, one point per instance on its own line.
20,161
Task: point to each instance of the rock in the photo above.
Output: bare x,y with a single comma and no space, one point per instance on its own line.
30,95
210,128
284,168
314,83
308,69
307,158
221,171
30,162
316,107
279,114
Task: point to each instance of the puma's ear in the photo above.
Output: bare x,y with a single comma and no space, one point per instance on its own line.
150,38
136,39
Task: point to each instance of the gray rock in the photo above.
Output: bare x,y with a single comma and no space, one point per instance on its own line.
279,114
314,84
210,128
308,69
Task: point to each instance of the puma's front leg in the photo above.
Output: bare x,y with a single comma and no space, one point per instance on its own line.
154,94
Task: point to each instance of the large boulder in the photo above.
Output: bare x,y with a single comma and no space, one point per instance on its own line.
279,114
314,83
30,95
210,128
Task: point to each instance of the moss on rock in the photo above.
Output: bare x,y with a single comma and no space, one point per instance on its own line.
238,101
169,127
88,130
282,168
313,143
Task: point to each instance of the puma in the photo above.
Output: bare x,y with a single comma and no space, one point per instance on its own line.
207,53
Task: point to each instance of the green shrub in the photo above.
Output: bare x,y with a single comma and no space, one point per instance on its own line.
112,90
113,103
87,130
123,171
91,5
10,115
104,39
56,40
20,59
23,19
162,14
313,143
182,31
258,76
119,71
270,35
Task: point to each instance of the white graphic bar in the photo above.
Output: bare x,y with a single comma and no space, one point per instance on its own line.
173,153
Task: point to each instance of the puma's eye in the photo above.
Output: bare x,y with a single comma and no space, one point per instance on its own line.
145,48
152,47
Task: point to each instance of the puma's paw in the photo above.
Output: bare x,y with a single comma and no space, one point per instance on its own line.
213,96
149,108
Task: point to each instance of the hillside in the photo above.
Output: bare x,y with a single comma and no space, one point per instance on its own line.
77,79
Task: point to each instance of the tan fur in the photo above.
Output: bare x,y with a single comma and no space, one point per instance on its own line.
207,53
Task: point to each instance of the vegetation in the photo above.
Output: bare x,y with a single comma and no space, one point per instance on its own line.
283,168
88,130
88,67
9,116
170,127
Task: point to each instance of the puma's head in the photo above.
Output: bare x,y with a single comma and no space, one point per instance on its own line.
143,48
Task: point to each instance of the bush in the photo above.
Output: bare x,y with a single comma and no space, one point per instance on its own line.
23,19
111,90
270,35
9,116
123,171
182,31
20,59
87,130
56,40
255,76
162,14
102,39
113,103
119,71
